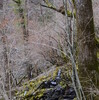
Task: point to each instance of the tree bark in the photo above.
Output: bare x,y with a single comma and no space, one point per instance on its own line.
87,54
86,36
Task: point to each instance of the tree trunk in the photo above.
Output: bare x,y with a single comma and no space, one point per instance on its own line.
87,55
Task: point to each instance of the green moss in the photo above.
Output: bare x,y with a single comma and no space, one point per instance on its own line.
33,84
69,14
49,4
97,39
40,93
63,84
98,55
30,91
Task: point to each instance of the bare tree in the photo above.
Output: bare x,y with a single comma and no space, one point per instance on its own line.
23,14
6,82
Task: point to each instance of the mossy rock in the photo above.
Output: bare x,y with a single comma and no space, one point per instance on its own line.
29,88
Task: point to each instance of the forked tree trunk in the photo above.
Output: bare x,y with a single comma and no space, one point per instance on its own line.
87,57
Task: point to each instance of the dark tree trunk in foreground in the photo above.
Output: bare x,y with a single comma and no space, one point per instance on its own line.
87,55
